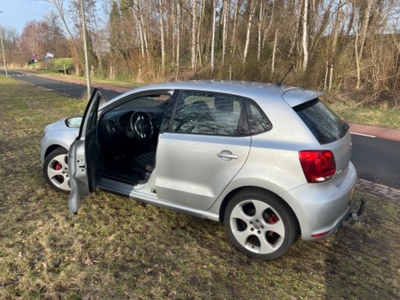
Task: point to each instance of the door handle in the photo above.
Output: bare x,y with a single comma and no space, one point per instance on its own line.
227,155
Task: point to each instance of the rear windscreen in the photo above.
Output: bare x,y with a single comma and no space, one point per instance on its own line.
322,122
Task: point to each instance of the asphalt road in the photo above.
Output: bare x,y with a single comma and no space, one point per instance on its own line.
376,160
71,89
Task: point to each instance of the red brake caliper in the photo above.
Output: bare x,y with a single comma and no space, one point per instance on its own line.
58,166
272,219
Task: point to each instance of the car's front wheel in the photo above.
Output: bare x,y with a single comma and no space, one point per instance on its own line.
260,224
55,170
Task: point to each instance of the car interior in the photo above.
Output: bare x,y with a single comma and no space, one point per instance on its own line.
128,137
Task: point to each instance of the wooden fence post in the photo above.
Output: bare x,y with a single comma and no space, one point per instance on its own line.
326,74
140,73
112,73
330,77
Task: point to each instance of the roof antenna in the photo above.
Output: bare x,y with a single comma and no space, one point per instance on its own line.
284,77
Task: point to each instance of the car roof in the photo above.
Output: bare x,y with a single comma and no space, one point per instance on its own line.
270,92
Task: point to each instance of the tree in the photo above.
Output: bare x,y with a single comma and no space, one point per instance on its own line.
59,6
248,31
178,39
115,35
166,36
225,10
194,26
304,41
161,17
213,39
29,40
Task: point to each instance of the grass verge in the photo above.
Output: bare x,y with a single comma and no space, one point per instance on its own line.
374,116
119,249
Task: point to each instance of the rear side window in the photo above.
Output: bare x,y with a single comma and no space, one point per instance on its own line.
326,126
258,122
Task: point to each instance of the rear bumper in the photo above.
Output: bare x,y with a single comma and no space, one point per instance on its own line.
352,215
327,232
322,208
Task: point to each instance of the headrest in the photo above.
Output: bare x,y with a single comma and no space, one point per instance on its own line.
223,103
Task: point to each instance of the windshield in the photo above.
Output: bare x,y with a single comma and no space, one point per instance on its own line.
149,100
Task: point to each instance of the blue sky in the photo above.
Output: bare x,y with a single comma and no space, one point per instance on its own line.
16,13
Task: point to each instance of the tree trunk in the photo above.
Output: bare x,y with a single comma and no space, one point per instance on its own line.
140,33
224,29
235,21
297,28
173,8
360,40
146,45
194,17
269,25
274,51
260,20
304,41
178,39
199,60
162,38
365,25
213,39
336,29
248,31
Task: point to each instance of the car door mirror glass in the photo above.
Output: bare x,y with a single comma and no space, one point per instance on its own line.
74,122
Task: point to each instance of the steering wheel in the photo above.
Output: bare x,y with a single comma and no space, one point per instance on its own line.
142,126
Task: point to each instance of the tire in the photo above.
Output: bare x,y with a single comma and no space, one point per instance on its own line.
55,170
260,224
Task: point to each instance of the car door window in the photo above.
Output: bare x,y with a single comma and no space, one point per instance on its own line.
90,114
209,113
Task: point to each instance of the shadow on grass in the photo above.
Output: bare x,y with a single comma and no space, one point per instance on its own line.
364,259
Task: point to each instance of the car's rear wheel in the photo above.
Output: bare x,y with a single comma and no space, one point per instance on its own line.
260,224
55,170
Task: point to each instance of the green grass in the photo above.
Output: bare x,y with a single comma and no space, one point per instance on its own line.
116,248
57,63
381,117
99,80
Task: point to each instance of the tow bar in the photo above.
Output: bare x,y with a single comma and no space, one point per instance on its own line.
355,214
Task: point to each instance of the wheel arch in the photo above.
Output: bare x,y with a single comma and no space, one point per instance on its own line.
51,149
234,192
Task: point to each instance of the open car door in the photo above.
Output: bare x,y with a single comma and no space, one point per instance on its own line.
83,156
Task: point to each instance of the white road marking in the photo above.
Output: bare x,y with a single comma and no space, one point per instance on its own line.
366,135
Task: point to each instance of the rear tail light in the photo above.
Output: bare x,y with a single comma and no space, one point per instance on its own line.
318,165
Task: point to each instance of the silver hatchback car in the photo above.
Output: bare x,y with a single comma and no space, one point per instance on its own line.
270,162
